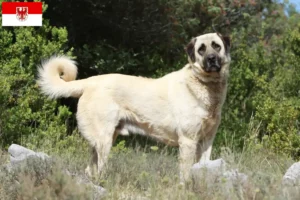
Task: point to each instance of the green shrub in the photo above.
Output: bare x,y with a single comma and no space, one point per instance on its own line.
26,116
278,103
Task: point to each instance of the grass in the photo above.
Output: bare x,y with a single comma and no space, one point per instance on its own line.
141,173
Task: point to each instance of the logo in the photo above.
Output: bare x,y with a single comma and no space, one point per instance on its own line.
22,13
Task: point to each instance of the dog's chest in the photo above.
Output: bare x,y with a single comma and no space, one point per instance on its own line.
190,115
200,112
198,124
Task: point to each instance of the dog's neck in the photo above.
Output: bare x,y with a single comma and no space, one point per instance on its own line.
215,89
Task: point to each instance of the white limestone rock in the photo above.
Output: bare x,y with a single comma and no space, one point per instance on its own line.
292,175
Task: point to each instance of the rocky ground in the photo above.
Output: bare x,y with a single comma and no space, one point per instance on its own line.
218,177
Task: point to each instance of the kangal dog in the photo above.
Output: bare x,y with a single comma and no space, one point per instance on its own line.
182,108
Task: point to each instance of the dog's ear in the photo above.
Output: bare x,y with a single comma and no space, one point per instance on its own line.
190,49
226,41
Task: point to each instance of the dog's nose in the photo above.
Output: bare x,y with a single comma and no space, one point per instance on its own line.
211,58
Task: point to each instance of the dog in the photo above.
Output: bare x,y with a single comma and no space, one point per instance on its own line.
181,109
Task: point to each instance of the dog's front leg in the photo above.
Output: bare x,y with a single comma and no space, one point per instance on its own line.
187,156
204,148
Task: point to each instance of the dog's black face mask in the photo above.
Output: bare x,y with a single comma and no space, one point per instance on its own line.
212,63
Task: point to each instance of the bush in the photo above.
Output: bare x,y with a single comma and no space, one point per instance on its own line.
25,115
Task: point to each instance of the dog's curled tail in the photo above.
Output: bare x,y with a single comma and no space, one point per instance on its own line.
56,78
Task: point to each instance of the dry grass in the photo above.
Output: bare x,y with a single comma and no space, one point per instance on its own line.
142,173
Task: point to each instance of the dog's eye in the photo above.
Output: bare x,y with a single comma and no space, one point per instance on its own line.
202,49
215,46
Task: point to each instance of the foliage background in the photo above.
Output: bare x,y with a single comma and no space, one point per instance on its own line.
147,38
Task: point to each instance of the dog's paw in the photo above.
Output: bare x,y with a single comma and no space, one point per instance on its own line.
88,171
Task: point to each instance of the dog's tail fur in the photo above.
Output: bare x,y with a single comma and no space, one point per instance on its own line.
57,78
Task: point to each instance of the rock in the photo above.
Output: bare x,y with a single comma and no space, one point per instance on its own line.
99,191
233,177
233,183
212,166
207,173
18,151
292,176
18,154
214,174
291,182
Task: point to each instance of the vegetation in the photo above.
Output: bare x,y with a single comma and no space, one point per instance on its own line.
261,112
142,173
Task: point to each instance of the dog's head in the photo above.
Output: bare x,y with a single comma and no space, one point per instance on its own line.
209,54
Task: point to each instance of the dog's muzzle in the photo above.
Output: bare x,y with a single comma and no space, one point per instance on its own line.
212,63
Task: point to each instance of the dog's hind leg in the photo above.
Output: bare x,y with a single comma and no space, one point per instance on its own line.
100,150
103,145
115,137
100,132
97,123
92,167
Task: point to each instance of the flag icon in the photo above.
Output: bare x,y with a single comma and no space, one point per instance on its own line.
22,13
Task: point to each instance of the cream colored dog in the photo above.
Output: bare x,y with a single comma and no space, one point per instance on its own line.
182,108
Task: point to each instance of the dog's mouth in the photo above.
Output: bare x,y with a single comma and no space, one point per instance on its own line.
211,63
212,67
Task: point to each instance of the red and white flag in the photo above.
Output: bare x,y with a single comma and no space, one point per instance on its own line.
22,13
